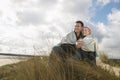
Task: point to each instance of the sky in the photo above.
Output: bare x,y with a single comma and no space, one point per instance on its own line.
34,26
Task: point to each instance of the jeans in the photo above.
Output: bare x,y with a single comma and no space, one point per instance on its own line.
79,54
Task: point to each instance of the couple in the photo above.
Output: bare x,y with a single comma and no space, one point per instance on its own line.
79,44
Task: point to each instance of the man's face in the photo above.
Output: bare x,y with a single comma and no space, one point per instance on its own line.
78,28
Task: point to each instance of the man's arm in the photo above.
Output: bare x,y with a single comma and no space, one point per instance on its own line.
68,39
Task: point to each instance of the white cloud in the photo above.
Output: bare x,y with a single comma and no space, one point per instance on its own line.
117,1
103,2
114,17
42,23
25,23
108,35
77,8
110,42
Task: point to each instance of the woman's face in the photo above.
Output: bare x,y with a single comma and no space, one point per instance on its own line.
78,28
86,31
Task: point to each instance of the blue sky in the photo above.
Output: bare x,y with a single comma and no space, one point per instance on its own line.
101,12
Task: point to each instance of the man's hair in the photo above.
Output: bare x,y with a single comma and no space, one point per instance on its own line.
82,24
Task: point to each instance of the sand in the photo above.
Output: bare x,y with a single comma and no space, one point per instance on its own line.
4,60
116,70
8,61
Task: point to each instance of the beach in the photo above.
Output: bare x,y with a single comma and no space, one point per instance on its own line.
8,61
4,60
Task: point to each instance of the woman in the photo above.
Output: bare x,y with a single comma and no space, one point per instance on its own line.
89,47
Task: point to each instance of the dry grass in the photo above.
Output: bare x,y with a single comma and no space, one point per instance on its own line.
52,68
104,58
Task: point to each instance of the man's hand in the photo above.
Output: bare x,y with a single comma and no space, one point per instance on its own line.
79,44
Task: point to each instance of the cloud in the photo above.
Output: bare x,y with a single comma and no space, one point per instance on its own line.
103,2
117,1
98,30
42,23
110,41
77,8
35,22
8,14
108,34
114,16
30,17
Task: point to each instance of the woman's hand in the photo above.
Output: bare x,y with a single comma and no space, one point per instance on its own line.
79,44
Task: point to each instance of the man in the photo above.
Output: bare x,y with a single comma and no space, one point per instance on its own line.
68,43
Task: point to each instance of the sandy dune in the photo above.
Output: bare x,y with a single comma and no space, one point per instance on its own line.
8,61
109,68
5,61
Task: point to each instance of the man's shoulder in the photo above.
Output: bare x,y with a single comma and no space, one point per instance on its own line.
71,32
